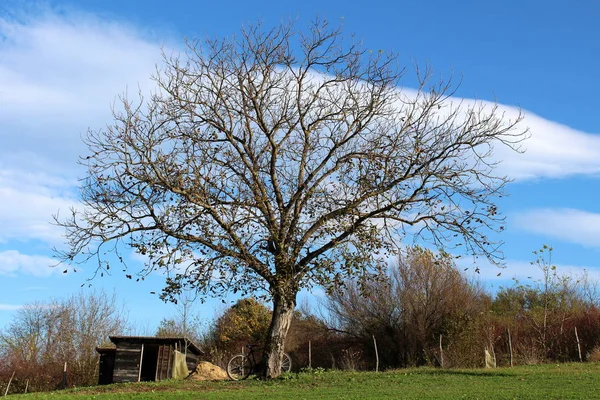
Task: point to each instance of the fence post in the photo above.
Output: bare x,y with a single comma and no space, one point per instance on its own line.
376,355
63,384
9,382
309,356
441,353
142,360
578,345
510,346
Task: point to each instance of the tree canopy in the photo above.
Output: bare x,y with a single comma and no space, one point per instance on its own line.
281,159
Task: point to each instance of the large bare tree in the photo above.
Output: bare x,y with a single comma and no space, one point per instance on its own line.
281,159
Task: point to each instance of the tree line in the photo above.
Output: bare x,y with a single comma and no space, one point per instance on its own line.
423,311
42,337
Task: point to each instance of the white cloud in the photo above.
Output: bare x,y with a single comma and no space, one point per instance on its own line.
567,224
28,202
59,75
523,272
9,307
13,262
553,150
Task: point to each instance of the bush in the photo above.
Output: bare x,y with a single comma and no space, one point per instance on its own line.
43,336
407,310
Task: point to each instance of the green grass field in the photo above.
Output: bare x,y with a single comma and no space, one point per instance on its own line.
552,381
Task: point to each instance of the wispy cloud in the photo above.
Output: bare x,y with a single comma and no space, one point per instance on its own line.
567,224
9,307
13,262
28,202
87,61
59,75
524,272
552,151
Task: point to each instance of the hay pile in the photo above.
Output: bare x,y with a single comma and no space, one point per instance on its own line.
206,371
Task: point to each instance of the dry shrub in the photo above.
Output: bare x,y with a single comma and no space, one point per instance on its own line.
351,360
42,337
594,355
464,349
422,297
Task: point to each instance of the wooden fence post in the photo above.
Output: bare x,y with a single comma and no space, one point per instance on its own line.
309,356
578,345
510,347
441,353
63,384
9,382
142,360
376,355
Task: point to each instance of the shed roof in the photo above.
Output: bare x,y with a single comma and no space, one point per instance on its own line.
158,340
105,349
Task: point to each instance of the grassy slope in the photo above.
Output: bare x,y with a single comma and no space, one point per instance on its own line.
564,381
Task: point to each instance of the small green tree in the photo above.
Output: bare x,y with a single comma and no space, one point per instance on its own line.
246,322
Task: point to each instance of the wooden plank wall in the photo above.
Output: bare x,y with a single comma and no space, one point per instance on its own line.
127,362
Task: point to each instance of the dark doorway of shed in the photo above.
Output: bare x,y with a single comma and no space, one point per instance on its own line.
149,362
106,367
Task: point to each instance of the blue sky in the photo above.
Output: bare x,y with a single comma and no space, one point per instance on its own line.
63,62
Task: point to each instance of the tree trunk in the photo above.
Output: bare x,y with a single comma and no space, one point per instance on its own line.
283,310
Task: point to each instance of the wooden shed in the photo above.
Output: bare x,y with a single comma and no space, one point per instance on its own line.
143,358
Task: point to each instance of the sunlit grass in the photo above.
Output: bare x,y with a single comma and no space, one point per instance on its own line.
550,381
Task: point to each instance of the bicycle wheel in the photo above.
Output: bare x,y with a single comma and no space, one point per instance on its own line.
286,363
239,367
